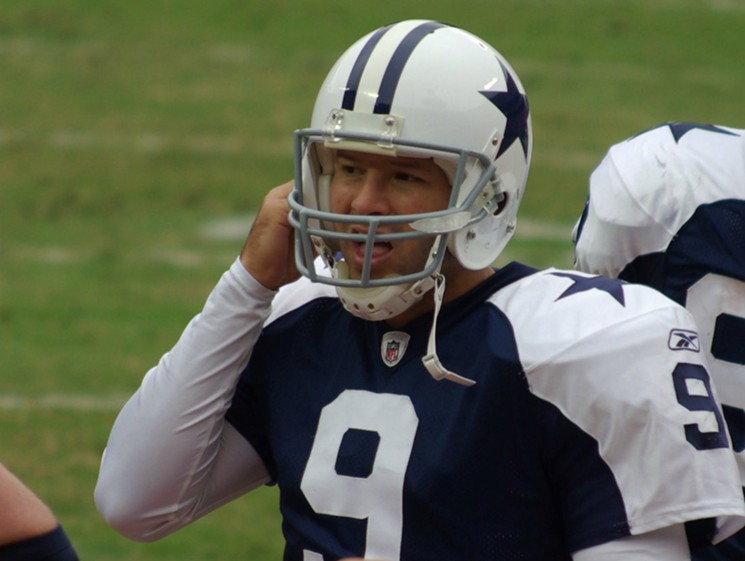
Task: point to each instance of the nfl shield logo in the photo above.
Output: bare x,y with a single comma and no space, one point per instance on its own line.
393,347
391,351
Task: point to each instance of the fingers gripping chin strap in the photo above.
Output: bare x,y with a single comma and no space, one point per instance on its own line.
431,361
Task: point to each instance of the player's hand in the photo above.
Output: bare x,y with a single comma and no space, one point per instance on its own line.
268,253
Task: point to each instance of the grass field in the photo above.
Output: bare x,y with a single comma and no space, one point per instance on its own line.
136,139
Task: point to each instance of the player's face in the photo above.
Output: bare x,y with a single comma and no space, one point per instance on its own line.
371,184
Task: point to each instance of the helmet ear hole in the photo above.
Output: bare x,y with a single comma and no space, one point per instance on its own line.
501,204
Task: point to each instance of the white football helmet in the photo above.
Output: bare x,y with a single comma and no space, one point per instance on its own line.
423,89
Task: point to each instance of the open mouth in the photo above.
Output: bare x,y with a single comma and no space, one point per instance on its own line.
379,251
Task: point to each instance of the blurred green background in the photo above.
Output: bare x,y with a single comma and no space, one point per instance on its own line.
137,138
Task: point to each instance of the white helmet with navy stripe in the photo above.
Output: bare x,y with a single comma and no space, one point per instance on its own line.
424,89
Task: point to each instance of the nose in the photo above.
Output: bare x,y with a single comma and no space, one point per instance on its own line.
370,196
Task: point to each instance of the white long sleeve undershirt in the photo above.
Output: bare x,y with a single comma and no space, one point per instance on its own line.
171,457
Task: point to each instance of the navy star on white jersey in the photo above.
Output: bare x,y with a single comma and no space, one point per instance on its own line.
680,128
583,284
514,106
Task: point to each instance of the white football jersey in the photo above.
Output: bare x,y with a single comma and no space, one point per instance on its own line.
666,208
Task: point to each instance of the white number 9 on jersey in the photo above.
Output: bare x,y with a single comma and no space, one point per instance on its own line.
379,496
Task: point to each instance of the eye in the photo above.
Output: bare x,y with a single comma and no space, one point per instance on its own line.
347,168
407,177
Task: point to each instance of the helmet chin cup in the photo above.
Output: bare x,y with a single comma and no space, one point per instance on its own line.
379,302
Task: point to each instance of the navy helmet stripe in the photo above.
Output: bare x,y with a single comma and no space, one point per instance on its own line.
396,65
353,83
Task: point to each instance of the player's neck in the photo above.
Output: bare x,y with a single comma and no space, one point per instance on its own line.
457,283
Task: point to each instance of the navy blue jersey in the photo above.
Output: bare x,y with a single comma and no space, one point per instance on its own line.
374,457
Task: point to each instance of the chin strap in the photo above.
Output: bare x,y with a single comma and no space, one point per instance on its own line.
431,361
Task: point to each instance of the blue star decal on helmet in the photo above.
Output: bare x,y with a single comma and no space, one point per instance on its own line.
679,129
514,105
613,287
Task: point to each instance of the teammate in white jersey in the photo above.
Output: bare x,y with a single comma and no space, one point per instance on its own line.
666,208
409,401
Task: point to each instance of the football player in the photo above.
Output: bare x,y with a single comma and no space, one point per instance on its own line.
409,400
29,530
666,208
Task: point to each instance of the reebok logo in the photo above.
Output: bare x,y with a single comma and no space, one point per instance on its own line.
684,340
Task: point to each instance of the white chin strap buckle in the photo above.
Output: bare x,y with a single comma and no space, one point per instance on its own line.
430,360
439,372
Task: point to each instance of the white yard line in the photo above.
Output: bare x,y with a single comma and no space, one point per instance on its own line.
62,402
235,229
144,142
